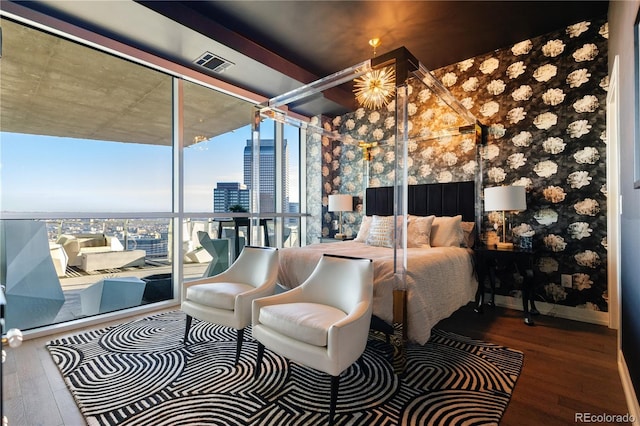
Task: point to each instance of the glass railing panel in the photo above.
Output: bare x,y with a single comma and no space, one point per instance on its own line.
58,270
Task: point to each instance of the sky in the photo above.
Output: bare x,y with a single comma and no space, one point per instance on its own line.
56,174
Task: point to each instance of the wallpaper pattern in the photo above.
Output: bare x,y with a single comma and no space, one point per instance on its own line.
544,102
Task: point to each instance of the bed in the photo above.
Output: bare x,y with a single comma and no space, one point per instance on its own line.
439,279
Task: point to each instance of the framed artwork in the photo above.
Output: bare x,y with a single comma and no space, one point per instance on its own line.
636,50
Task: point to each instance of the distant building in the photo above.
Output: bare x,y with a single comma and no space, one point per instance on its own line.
227,194
267,176
154,247
293,208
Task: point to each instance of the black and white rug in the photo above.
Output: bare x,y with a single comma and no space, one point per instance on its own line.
140,373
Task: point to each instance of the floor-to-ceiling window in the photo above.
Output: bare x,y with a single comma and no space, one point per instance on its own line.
86,179
89,207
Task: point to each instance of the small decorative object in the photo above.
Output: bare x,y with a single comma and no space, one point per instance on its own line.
492,238
526,240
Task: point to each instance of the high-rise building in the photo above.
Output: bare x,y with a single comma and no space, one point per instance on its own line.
227,194
267,178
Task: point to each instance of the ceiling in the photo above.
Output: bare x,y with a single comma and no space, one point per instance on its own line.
323,37
276,46
327,36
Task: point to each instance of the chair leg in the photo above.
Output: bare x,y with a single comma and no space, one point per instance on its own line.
186,329
335,382
239,344
259,360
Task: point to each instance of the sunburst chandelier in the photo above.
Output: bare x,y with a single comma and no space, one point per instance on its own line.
375,88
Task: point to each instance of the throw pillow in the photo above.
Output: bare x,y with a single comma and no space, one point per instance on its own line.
446,231
381,231
469,238
419,231
363,232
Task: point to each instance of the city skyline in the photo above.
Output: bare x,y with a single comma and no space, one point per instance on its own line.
99,176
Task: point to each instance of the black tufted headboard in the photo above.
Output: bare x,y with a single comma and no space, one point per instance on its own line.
439,199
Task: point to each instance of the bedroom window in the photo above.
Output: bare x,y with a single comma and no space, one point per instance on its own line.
94,178
86,179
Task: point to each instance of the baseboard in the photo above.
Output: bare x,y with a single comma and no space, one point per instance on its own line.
629,391
551,309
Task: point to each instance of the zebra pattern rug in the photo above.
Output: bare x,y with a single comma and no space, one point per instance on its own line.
140,373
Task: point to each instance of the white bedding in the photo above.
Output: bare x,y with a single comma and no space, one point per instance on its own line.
439,279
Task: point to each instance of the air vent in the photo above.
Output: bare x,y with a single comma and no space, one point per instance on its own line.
213,62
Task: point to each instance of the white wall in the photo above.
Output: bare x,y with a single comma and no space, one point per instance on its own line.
621,19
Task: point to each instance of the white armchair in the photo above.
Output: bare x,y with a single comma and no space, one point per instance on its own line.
226,298
323,323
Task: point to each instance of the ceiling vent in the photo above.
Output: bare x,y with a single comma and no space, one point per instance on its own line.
213,62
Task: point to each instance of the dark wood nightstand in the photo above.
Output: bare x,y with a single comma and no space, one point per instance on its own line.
488,259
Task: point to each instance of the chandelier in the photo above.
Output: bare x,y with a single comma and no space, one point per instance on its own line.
375,88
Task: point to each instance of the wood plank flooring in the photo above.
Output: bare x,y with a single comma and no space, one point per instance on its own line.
569,367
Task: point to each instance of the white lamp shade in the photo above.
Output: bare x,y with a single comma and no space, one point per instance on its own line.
505,198
340,203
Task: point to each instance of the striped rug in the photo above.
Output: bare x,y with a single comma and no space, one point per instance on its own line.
139,373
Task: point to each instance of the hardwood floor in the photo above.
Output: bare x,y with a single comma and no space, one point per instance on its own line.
569,367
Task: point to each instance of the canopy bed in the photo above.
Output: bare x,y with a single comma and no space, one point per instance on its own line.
439,278
435,279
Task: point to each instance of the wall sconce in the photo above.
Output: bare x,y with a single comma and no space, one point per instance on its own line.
366,149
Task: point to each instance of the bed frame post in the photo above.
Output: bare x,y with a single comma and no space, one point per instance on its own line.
400,311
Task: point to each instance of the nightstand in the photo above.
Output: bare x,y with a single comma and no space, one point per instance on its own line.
488,259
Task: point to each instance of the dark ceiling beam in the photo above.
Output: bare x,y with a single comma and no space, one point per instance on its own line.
405,63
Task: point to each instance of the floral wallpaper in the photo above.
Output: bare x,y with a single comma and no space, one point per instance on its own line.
315,202
435,154
543,103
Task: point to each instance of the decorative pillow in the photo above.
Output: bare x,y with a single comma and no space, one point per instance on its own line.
446,231
363,232
469,235
381,231
419,231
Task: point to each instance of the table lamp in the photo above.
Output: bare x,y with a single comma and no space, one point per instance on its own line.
502,199
340,203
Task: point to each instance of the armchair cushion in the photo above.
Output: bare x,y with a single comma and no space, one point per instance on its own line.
221,295
306,322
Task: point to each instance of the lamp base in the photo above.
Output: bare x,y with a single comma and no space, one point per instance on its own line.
339,236
504,246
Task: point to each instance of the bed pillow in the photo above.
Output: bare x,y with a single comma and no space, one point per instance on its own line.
446,231
469,235
419,231
363,232
381,231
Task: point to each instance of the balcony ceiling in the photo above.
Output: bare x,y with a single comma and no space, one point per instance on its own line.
276,46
